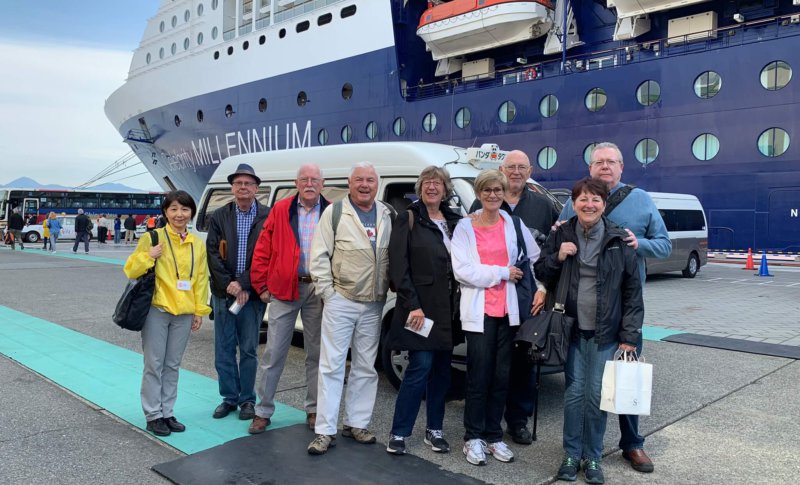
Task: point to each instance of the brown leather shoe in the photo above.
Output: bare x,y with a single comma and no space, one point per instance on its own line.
639,460
311,420
259,425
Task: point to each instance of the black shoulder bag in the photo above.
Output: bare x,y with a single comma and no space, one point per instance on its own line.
134,304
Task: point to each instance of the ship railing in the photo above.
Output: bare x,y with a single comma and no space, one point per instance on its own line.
303,8
723,37
139,136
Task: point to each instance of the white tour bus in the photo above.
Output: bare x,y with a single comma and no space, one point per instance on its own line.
686,222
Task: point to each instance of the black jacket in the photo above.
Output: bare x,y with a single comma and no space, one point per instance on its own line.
620,309
81,223
222,227
130,224
16,222
421,273
536,211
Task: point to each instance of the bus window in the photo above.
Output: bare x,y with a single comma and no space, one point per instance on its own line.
219,197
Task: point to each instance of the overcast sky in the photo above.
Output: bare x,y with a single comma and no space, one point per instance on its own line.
59,62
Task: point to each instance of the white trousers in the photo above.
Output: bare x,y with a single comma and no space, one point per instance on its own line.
345,321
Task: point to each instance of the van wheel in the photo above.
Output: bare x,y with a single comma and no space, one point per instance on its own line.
692,266
393,362
32,237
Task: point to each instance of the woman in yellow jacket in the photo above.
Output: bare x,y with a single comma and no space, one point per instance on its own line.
179,304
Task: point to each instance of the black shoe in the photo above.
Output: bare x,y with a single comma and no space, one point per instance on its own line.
247,411
520,435
568,471
592,472
158,427
174,425
223,410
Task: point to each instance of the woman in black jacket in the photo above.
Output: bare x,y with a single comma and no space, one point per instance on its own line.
419,268
605,297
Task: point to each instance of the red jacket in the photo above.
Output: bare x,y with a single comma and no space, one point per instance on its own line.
277,253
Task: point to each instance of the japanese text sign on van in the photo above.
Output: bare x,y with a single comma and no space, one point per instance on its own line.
488,155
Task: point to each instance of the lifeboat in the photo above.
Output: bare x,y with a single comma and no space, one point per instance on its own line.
463,26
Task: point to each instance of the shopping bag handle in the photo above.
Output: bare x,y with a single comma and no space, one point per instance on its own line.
627,356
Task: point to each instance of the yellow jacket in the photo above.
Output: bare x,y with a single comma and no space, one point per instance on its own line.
167,296
46,229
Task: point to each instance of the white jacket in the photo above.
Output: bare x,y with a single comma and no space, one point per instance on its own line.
475,277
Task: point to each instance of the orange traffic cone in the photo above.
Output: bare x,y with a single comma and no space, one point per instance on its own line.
749,265
764,270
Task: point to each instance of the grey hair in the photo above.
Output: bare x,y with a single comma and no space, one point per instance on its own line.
15,210
365,164
434,172
80,211
607,144
305,165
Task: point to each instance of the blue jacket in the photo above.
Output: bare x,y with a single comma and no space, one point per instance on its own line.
54,225
638,213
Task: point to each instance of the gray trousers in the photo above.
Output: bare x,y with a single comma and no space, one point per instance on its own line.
282,316
164,339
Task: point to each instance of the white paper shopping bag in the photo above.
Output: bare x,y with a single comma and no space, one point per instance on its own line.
627,386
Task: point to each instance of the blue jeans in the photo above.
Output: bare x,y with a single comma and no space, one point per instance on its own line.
630,438
427,374
488,362
237,382
584,422
116,236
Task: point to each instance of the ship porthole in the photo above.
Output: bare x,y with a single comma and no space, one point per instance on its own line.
177,120
302,98
187,15
214,4
399,126
161,53
174,20
282,33
186,43
200,10
547,158
262,105
372,130
463,118
347,134
245,45
587,153
228,111
173,48
148,58
707,84
199,115
646,151
230,50
776,75
262,39
596,100
773,142
322,137
199,38
347,91
705,147
161,26
429,122
548,106
214,33
216,55
507,112
648,93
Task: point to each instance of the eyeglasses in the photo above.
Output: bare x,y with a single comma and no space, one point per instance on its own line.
610,163
244,184
432,183
517,168
492,190
305,180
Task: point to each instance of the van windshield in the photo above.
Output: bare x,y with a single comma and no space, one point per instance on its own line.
463,188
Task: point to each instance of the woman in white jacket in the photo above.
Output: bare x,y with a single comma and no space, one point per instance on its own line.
484,250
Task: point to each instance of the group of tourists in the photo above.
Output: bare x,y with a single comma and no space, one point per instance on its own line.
455,279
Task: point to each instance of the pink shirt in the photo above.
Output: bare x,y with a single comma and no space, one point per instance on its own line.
492,251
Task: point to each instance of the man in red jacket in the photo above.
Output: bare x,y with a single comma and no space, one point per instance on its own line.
279,273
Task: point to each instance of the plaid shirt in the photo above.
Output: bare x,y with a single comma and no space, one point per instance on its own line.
244,219
306,223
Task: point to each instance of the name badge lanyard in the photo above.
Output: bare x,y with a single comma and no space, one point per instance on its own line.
175,260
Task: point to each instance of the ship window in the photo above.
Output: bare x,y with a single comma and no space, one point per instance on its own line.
347,91
324,19
262,104
648,93
148,58
214,33
587,153
646,151
216,55
161,26
174,20
548,106
302,98
302,26
705,147
262,39
429,122
199,38
200,10
214,4
707,85
173,49
347,134
372,130
161,53
177,120
507,112
228,111
595,100
547,158
199,115
399,126
776,75
773,142
187,15
322,137
186,43
463,117
348,11
245,45
282,33
230,49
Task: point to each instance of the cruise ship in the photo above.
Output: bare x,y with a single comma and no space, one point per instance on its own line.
700,95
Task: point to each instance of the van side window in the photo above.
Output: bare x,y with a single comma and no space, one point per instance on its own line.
399,195
219,197
332,193
683,220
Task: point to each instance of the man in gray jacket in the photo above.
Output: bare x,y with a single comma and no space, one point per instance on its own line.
349,267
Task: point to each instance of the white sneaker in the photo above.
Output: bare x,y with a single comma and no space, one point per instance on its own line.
500,451
475,451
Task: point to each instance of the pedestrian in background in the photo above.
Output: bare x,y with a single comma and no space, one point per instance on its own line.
54,224
117,228
130,229
82,231
178,307
45,233
15,225
238,311
102,229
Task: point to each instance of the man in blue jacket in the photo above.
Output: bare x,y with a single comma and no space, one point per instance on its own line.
647,234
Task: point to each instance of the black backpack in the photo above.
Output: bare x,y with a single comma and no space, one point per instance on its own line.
134,304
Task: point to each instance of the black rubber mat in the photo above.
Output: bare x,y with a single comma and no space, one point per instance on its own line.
787,351
280,457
